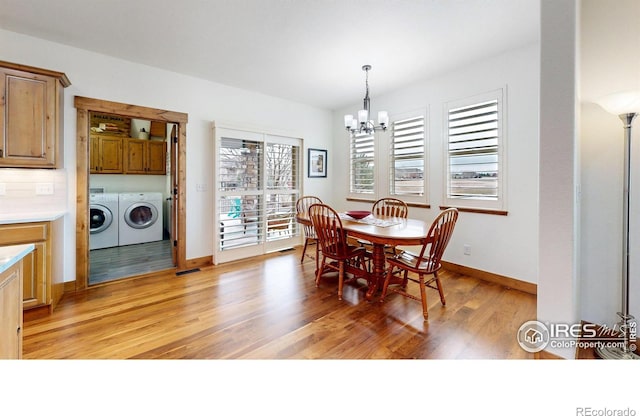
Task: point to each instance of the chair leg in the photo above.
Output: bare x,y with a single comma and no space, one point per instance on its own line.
317,254
385,285
304,249
405,279
440,289
319,272
423,297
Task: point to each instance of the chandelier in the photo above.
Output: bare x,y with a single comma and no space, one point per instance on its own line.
361,125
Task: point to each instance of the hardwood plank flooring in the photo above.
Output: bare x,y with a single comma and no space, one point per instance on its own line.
269,308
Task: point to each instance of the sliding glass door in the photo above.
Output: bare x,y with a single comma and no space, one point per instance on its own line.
258,181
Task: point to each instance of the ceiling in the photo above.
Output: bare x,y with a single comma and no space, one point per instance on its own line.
309,51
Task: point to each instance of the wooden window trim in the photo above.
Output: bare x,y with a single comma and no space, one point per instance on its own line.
477,210
409,204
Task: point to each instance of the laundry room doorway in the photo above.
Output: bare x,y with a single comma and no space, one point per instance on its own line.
130,171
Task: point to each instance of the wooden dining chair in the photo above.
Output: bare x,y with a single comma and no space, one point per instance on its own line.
425,263
388,207
342,257
302,208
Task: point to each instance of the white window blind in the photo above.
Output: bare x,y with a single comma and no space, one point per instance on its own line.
474,150
282,166
408,156
241,197
282,189
362,172
258,178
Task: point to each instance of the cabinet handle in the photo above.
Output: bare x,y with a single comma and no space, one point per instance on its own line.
18,330
1,153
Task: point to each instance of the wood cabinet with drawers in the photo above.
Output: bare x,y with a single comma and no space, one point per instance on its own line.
31,118
42,282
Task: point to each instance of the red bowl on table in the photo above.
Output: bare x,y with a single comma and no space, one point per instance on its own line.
358,215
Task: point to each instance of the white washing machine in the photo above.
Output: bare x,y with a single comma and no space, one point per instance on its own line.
140,217
103,220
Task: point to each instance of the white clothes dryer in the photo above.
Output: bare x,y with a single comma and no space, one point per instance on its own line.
104,220
140,217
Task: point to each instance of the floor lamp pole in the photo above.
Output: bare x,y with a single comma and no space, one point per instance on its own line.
626,350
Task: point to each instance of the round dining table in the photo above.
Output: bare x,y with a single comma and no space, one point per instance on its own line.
381,231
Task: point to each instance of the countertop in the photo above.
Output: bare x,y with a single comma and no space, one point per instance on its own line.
22,217
10,255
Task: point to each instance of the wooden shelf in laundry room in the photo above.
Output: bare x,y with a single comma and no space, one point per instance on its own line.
109,125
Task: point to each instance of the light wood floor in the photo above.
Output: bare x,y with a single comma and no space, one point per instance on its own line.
269,308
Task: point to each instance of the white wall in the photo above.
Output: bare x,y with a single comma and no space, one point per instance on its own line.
102,77
506,245
559,214
130,183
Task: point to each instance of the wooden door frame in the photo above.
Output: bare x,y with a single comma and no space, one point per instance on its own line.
83,106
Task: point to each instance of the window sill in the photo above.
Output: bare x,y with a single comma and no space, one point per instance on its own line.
477,210
361,200
409,204
418,205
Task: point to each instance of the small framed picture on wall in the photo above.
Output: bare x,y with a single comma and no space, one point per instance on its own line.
317,163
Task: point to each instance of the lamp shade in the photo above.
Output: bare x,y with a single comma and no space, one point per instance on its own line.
348,119
363,115
383,118
621,102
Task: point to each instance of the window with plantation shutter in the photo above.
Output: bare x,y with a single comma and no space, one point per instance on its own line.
408,158
475,147
362,162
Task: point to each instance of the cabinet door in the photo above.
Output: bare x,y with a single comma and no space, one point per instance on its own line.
157,158
28,119
94,155
37,264
11,312
134,156
105,154
34,284
111,155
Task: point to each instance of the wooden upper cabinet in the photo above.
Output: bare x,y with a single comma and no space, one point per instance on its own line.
145,157
157,154
106,154
31,117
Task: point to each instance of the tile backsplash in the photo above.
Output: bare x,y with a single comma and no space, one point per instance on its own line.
32,190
